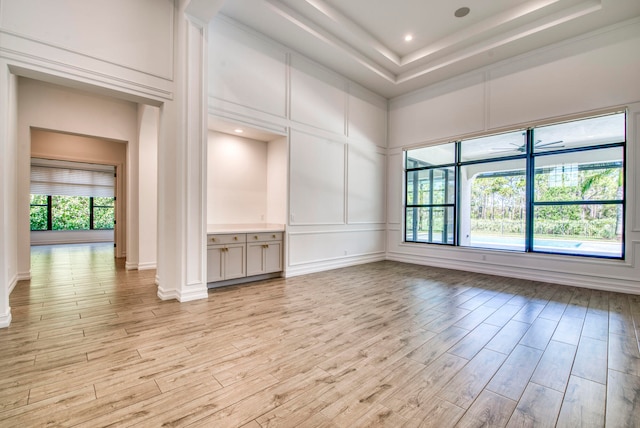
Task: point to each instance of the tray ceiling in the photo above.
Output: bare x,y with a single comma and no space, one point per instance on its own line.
365,39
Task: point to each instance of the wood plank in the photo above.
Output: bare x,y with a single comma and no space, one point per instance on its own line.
436,413
620,317
554,367
513,376
538,408
469,382
529,312
473,342
623,400
583,405
569,330
372,388
539,334
591,360
508,337
380,344
624,354
437,346
596,324
489,410
412,398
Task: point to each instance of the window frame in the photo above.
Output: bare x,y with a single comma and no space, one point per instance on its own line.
445,206
529,155
91,214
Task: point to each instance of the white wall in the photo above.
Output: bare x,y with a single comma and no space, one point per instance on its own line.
236,180
54,237
277,176
116,45
593,72
142,195
128,33
336,145
8,191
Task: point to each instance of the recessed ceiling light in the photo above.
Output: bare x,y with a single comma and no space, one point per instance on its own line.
239,131
408,38
462,12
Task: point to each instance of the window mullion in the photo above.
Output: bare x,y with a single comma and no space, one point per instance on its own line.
49,215
414,220
431,203
91,217
529,192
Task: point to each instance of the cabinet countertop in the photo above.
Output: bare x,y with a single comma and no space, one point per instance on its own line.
244,228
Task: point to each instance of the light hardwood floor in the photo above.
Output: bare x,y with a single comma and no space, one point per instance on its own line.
383,344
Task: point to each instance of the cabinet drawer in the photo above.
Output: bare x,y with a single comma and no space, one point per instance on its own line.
264,236
231,238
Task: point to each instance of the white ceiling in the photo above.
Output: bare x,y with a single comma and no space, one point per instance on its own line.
364,39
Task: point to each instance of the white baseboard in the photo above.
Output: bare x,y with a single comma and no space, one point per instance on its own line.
574,280
24,276
194,293
147,266
140,266
12,283
5,319
320,266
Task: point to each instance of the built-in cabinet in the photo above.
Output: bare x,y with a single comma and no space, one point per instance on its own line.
246,204
226,257
240,257
264,253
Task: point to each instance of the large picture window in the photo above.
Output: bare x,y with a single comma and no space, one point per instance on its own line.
71,196
555,189
61,212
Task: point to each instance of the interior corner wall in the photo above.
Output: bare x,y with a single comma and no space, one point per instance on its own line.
8,195
144,191
236,179
277,174
336,150
63,110
589,73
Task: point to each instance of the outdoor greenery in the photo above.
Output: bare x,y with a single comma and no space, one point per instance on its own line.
103,213
498,203
38,212
71,212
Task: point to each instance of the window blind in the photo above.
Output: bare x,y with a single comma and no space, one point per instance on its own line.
46,180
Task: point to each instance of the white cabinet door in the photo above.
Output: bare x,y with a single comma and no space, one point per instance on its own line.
255,259
273,257
235,261
215,264
264,257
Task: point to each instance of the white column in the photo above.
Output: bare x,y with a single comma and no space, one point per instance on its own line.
8,191
181,170
148,187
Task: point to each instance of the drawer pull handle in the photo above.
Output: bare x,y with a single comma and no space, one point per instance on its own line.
255,237
213,239
273,236
235,238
